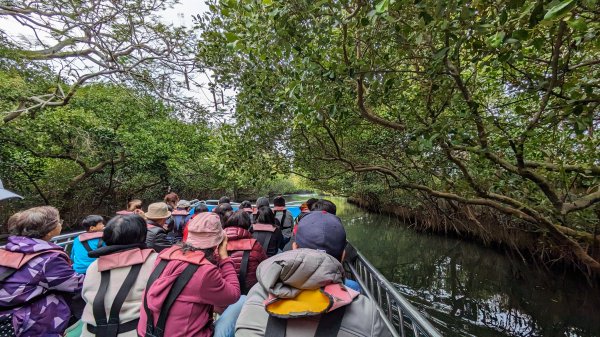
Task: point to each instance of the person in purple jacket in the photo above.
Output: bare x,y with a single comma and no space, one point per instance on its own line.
35,276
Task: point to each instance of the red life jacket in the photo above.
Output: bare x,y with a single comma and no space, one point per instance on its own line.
194,259
245,246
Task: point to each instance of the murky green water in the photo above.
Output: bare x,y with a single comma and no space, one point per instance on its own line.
470,290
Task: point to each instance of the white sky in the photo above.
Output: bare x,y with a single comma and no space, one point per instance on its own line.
180,15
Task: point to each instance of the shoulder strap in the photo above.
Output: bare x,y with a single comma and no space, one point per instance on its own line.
86,245
264,238
175,291
283,220
244,272
149,317
111,327
275,327
329,324
180,283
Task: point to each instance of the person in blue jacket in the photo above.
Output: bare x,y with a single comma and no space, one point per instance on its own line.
86,242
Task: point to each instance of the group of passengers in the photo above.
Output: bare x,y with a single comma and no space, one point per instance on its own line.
171,270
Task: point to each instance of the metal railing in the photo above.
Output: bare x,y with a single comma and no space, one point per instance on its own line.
400,316
66,240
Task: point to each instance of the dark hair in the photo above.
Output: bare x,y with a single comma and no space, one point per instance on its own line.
125,230
245,204
262,201
238,219
279,201
224,211
310,202
91,220
35,222
324,205
209,253
224,200
200,208
265,216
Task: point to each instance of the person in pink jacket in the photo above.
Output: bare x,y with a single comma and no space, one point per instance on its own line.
188,281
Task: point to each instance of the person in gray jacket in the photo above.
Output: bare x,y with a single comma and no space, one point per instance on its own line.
301,292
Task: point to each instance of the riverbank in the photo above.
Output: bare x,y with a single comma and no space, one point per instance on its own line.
512,237
467,289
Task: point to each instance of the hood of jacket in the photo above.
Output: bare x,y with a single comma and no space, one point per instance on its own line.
237,233
285,275
26,245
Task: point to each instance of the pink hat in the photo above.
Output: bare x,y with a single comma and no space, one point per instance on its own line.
205,231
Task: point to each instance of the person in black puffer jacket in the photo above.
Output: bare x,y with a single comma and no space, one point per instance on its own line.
157,216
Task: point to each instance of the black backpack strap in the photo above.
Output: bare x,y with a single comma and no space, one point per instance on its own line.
86,245
111,327
276,327
180,283
149,317
283,220
7,273
330,323
244,272
264,238
175,291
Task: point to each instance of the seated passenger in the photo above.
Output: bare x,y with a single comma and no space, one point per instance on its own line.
246,252
246,206
285,218
324,205
35,276
305,208
224,200
157,216
266,232
188,281
199,208
180,216
262,201
296,290
115,282
86,242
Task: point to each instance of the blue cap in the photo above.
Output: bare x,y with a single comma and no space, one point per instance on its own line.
322,231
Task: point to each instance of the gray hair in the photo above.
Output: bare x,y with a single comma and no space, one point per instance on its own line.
35,222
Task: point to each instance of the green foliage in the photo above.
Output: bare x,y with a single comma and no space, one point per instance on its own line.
481,102
108,145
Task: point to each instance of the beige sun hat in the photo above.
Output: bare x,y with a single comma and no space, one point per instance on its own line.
158,210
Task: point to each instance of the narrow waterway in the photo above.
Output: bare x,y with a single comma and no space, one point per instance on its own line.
469,290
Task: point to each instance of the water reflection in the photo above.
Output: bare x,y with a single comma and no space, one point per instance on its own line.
469,290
